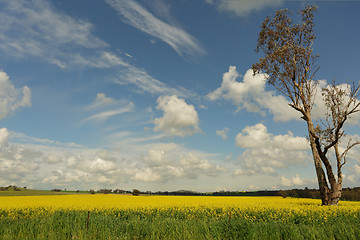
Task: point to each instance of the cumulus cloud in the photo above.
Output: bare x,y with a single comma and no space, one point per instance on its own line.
354,176
179,119
12,99
101,164
140,18
163,163
16,163
223,133
4,136
320,110
250,94
52,159
45,164
290,182
243,8
265,152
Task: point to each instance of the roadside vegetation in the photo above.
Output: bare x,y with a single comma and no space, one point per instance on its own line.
113,216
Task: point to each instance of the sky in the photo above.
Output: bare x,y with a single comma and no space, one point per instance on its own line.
159,95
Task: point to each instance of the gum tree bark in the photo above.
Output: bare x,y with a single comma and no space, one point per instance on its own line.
289,63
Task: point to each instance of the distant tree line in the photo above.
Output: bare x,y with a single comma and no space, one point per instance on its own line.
180,193
10,187
116,191
348,194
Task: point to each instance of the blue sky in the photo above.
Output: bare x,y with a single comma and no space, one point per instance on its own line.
158,95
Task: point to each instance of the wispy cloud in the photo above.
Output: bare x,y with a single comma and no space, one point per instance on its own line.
25,139
107,114
137,16
149,84
34,29
101,100
242,8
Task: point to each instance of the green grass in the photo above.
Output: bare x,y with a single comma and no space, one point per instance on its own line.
137,224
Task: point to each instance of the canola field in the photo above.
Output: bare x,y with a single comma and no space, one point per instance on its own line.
175,217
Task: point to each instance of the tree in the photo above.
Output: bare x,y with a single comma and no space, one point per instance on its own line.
136,192
289,64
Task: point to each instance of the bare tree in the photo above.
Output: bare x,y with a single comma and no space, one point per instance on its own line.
289,63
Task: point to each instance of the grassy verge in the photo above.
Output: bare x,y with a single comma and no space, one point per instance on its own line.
136,224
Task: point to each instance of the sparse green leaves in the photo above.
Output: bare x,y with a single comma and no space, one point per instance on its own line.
288,59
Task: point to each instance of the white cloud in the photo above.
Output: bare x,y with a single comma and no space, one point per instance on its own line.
97,59
4,136
243,8
266,152
250,94
155,157
108,107
52,159
140,18
12,99
294,181
41,164
223,133
354,153
102,116
101,165
174,162
16,162
161,162
102,100
149,84
179,119
319,109
34,29
354,177
253,137
24,139
356,169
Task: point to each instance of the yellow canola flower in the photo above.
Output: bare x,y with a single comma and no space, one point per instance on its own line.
183,207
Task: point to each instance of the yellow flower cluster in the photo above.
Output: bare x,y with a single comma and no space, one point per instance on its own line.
254,209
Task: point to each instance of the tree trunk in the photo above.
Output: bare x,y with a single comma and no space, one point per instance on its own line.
323,185
335,195
329,196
